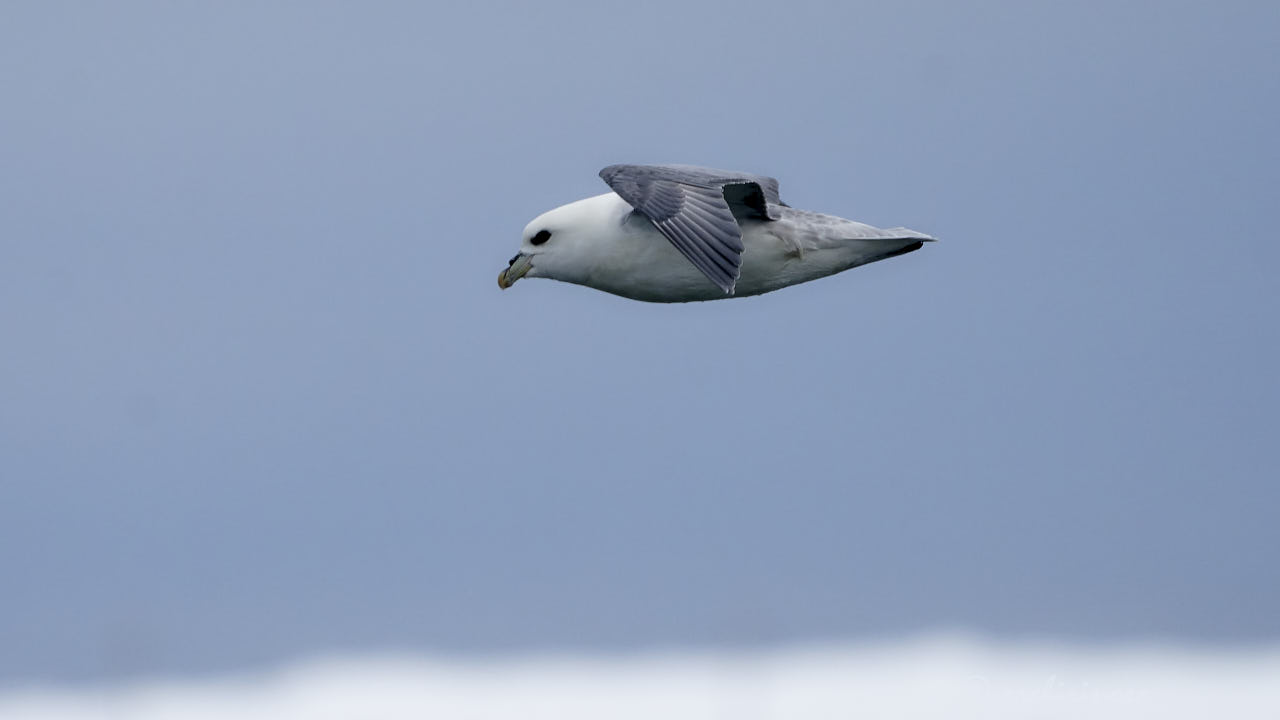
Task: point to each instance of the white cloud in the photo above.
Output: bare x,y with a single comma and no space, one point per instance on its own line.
940,677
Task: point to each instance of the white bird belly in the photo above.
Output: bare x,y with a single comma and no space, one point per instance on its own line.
798,247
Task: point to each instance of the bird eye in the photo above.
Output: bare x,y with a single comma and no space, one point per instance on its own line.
540,238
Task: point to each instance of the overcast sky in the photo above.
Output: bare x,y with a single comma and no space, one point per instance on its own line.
261,397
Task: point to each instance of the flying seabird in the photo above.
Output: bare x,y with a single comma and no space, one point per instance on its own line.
678,233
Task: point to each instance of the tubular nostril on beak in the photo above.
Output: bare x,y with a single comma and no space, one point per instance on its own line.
519,266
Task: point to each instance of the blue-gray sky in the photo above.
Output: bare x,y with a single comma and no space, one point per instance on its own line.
260,396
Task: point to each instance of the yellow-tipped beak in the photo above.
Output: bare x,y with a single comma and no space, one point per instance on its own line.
516,269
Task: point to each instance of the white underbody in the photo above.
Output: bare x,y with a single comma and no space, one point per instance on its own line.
630,257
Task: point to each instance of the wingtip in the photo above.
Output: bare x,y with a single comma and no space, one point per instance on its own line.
913,234
731,288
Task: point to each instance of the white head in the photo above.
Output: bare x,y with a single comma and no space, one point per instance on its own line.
568,243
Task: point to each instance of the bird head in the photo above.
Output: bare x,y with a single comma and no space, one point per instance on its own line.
566,243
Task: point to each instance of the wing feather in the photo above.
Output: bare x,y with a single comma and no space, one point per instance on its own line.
694,208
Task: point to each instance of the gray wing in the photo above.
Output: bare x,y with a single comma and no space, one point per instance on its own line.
697,209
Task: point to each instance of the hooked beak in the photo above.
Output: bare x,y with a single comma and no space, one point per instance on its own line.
516,269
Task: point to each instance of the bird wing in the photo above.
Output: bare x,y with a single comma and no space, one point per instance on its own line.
695,208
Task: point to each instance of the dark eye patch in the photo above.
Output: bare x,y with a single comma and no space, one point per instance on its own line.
540,238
